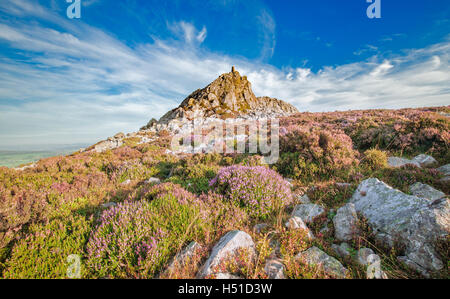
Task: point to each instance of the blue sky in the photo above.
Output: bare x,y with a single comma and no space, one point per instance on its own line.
80,80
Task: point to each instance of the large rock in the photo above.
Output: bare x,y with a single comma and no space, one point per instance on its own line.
316,257
226,248
344,250
308,212
426,191
184,257
346,223
397,162
416,223
425,161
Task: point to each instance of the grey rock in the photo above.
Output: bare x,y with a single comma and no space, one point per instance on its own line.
374,270
304,199
297,223
109,144
108,205
119,136
342,250
155,181
308,212
316,257
412,221
425,161
426,191
227,247
127,182
184,257
363,256
258,228
274,269
346,223
444,169
397,162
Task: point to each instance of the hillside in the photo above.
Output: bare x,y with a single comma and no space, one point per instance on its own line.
349,190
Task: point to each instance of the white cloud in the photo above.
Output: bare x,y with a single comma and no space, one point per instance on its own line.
82,84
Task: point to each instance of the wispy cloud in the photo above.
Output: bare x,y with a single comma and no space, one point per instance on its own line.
81,84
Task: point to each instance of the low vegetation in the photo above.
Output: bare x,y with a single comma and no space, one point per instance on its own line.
103,208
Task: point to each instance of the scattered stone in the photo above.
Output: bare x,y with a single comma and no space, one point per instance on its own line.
109,144
127,182
374,270
426,191
184,257
308,212
26,167
119,136
342,250
155,181
297,223
425,161
397,162
346,223
363,256
304,199
409,220
108,205
258,228
445,170
226,248
316,257
274,269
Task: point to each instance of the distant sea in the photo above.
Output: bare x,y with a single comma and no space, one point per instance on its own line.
15,158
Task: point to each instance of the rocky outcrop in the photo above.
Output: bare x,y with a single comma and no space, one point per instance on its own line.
414,222
317,258
226,248
229,96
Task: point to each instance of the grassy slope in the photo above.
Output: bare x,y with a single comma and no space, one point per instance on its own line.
55,210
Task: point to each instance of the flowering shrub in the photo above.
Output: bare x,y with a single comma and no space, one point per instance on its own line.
375,159
309,152
259,190
43,253
135,239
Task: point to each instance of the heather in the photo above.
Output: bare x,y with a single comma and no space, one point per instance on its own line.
127,211
135,239
259,190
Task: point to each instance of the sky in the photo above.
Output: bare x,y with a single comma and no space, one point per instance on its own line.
72,81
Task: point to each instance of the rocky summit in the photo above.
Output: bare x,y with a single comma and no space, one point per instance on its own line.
228,97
